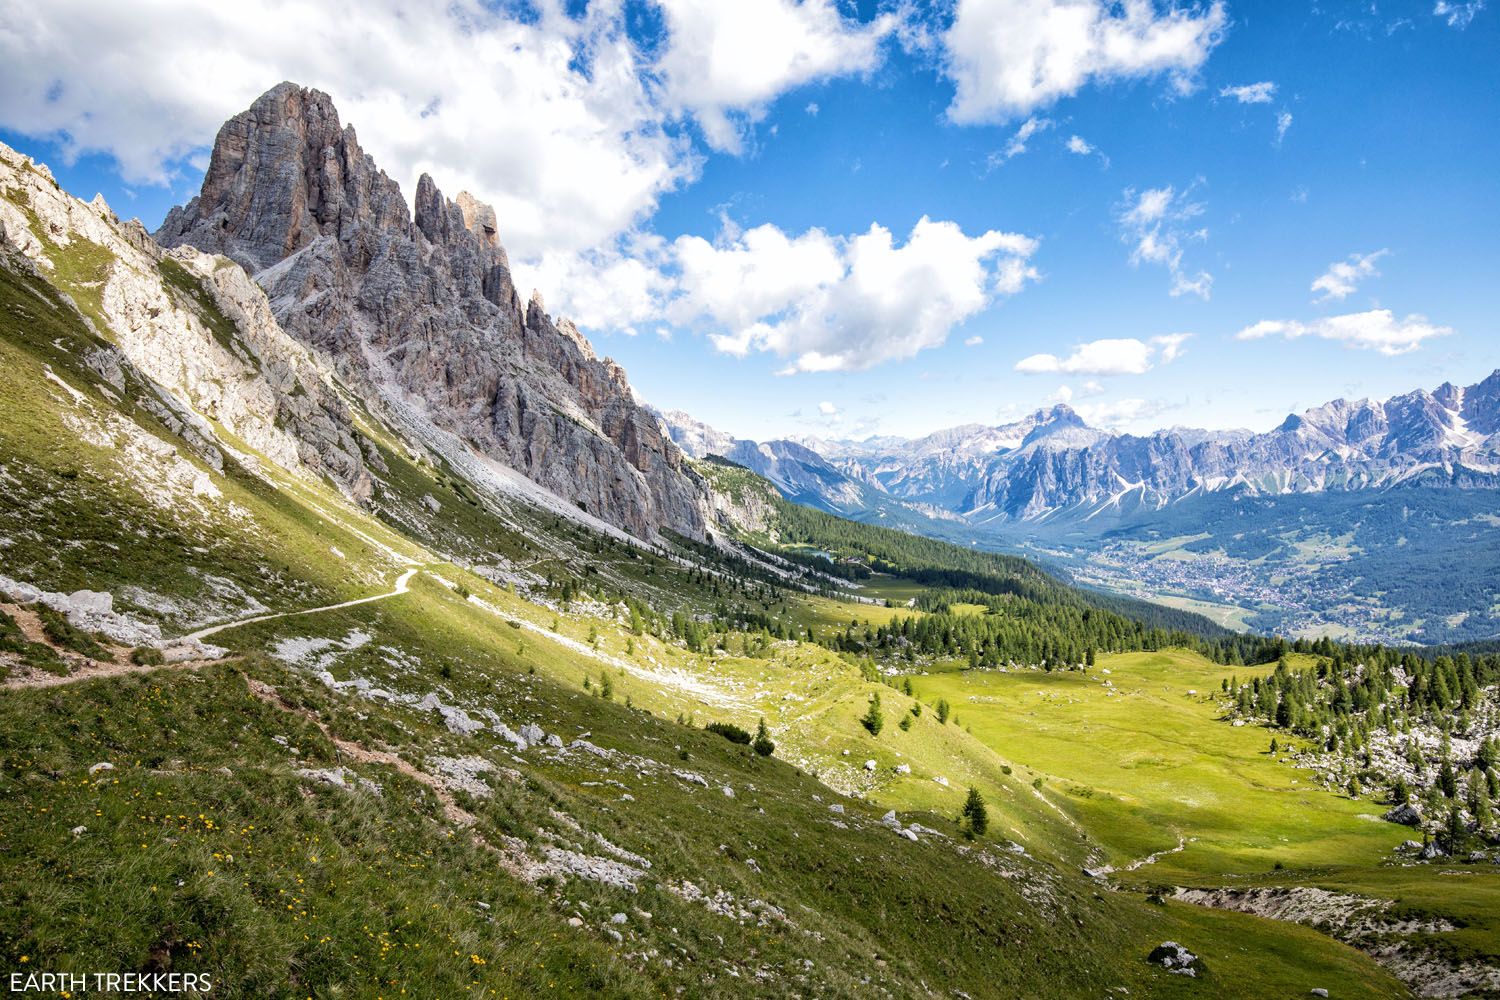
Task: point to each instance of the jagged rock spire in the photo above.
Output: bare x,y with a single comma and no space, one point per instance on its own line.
420,305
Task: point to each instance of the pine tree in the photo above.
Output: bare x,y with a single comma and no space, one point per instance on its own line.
1447,780
974,816
942,711
873,720
762,744
1455,834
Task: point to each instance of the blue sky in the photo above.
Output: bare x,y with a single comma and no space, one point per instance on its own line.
700,190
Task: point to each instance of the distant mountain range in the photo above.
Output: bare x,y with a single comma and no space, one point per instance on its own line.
1053,466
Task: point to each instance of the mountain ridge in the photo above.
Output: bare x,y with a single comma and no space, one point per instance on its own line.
1052,464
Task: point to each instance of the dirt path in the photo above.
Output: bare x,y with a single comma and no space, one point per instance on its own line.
402,587
83,668
94,671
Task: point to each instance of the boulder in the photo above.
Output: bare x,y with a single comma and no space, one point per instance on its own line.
1175,959
1406,814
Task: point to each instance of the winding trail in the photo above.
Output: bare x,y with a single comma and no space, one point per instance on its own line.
120,666
402,587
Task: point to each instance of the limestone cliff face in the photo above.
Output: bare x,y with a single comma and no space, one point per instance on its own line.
417,311
193,324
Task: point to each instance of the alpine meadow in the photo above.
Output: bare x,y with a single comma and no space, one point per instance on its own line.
1047,543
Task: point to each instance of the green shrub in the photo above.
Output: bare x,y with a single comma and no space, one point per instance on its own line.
147,656
730,732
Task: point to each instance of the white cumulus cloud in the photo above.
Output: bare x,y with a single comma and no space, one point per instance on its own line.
1343,277
725,62
557,117
1008,58
844,303
1111,356
550,119
1374,330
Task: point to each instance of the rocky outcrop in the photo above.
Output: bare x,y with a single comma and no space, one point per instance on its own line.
192,324
417,311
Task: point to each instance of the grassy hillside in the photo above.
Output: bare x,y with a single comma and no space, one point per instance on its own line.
349,802
1138,752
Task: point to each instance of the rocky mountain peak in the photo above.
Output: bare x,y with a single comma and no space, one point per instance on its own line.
283,173
417,310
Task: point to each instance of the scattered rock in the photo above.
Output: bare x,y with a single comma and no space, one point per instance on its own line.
870,765
903,769
1174,958
836,808
1318,992
618,918
103,765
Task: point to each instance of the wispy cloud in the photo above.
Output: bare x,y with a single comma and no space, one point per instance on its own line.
1458,15
1017,144
1079,146
1283,122
1376,330
1157,223
1343,277
1251,93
